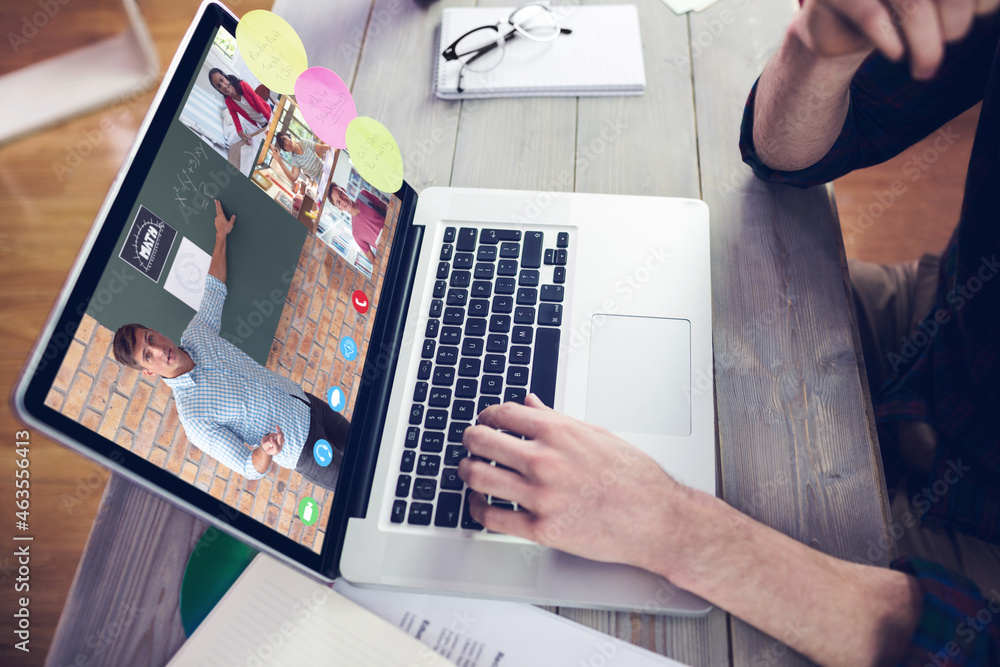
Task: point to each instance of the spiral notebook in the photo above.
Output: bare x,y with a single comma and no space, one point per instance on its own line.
602,56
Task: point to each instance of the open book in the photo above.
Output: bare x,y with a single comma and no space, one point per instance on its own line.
602,55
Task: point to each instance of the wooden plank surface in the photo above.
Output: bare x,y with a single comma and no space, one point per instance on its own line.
795,425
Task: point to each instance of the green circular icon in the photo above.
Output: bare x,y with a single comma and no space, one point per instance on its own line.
308,511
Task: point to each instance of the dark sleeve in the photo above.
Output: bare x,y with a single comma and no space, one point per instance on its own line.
958,625
889,111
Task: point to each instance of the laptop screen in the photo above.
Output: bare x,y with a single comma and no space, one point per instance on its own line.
268,352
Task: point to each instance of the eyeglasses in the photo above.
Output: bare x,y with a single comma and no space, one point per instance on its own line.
481,49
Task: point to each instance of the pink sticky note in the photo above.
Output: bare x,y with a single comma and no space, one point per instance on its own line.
326,104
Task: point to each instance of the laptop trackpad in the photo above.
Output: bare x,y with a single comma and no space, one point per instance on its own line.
639,379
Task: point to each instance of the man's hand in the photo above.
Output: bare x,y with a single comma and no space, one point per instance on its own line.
917,29
273,442
585,491
223,225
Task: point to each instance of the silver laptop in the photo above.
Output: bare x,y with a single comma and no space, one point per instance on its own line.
599,304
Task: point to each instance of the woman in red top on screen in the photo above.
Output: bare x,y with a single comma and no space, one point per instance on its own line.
367,217
241,100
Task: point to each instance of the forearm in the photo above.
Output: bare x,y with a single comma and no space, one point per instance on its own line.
261,460
801,103
833,611
217,267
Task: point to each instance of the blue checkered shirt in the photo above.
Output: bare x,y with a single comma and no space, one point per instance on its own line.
229,399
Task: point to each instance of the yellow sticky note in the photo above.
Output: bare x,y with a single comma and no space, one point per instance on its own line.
272,50
375,154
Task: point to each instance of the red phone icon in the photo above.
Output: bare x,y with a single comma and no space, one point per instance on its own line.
360,301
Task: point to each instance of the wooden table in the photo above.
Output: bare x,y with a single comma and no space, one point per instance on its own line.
796,438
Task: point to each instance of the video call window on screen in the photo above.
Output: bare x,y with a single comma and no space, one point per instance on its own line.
305,262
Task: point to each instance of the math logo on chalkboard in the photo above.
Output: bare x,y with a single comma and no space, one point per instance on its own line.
148,243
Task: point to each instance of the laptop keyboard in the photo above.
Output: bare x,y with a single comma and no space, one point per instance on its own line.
492,335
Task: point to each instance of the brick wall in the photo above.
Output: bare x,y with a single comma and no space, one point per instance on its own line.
138,412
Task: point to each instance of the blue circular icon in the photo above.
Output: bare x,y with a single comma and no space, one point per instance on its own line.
335,397
323,452
348,348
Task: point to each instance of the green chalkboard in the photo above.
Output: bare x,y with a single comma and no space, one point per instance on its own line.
263,248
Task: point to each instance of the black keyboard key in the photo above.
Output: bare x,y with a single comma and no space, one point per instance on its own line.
444,376
431,331
449,509
451,335
468,523
463,260
447,355
531,255
428,350
435,419
491,385
515,394
446,250
437,307
440,287
494,363
494,236
412,436
543,371
562,240
466,240
449,234
505,286
487,401
486,254
428,464
475,326
420,514
479,308
454,453
528,278
424,369
457,297
481,289
499,324
503,304
469,367
517,376
561,257
521,335
463,411
519,354
433,441
483,271
403,486
507,267
420,392
444,268
472,347
550,256
502,504
406,464
527,296
440,397
416,413
460,279
451,481
550,314
510,250
496,343
455,431
454,315
551,293
466,388
424,489
559,274
398,511
524,315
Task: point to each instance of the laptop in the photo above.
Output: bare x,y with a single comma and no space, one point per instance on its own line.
407,320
